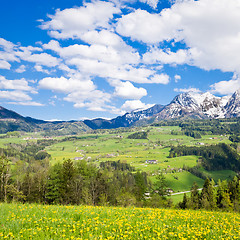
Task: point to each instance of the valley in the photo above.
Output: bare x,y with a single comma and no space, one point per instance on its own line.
150,155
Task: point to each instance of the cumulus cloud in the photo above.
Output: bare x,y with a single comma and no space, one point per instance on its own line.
94,100
6,45
21,69
177,78
73,22
44,59
29,103
129,106
15,96
156,55
7,54
152,3
209,28
18,84
150,28
226,87
185,90
160,78
39,68
98,52
125,47
82,92
65,85
128,91
4,65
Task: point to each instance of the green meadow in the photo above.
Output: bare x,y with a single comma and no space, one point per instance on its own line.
37,222
114,145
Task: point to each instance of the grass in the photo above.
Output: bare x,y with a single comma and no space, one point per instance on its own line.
86,222
221,174
179,197
113,147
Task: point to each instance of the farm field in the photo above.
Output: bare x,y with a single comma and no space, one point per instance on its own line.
117,147
114,145
30,221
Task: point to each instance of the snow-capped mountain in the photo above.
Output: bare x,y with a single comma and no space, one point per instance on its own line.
126,120
232,108
204,105
184,105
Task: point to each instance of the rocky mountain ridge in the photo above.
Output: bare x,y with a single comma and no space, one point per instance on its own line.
184,105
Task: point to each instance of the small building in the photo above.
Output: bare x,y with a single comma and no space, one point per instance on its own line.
151,161
169,190
78,158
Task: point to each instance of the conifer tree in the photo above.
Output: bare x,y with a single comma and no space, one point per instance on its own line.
195,197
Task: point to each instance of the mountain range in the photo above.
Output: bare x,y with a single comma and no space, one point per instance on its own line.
184,105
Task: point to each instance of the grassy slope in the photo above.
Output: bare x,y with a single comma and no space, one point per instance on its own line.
104,147
85,222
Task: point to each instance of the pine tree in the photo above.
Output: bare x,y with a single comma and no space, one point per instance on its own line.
208,197
184,203
195,197
161,185
54,183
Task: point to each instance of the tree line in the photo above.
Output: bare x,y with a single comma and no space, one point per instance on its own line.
225,196
78,182
214,157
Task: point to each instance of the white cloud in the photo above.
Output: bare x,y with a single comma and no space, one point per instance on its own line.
30,49
65,85
128,91
82,92
18,84
177,78
226,87
30,103
156,55
100,53
160,79
104,37
44,59
150,28
94,100
40,69
113,71
74,22
15,96
4,65
129,106
152,3
209,28
7,53
6,45
21,69
185,90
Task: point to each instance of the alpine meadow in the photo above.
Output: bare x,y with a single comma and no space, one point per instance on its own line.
120,119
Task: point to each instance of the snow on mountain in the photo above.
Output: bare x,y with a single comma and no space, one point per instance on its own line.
184,105
202,105
232,107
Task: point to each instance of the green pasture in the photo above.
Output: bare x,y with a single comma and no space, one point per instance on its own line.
221,174
180,181
38,222
178,197
107,146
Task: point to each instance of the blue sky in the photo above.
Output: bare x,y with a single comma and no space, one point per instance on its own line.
85,59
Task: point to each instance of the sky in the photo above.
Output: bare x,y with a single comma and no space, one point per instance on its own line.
75,60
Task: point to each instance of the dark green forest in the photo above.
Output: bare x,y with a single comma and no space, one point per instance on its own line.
223,195
112,183
214,157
